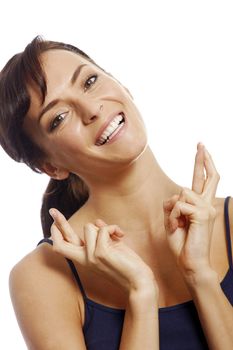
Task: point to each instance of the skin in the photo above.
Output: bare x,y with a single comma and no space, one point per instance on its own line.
170,236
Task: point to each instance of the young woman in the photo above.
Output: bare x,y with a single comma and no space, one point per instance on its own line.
136,261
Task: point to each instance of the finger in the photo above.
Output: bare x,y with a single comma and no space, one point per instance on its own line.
199,170
167,208
90,238
56,234
213,178
67,249
64,227
118,231
100,223
169,204
179,214
112,229
108,231
189,196
115,230
172,224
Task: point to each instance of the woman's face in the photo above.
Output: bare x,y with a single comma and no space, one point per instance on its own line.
88,122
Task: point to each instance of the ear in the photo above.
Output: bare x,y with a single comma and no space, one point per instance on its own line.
54,172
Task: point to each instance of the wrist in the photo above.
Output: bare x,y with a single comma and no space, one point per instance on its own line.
144,300
146,289
143,282
202,278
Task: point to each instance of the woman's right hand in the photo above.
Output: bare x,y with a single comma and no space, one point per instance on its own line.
102,251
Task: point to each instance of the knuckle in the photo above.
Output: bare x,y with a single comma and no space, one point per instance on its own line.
91,261
102,229
207,213
177,205
173,198
212,212
185,191
115,228
88,226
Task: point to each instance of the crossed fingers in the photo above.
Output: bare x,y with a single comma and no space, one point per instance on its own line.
199,199
205,175
68,242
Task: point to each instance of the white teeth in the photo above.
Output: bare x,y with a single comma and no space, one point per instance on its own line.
110,129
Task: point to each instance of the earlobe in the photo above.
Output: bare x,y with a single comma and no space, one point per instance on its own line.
54,172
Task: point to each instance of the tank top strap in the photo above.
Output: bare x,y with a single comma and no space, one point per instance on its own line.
71,265
228,233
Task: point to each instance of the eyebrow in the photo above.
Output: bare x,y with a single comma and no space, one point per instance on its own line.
54,102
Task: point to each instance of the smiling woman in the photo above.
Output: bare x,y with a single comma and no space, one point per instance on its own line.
142,266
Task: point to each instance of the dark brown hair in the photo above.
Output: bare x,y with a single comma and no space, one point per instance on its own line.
21,71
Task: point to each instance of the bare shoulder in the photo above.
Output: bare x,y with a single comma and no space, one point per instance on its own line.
41,263
46,301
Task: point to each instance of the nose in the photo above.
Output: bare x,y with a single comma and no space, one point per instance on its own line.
90,111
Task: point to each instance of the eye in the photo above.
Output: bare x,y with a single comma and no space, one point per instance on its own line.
90,81
56,121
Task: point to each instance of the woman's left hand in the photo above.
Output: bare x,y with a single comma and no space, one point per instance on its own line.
189,217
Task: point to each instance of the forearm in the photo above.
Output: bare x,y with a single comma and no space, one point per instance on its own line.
214,310
140,329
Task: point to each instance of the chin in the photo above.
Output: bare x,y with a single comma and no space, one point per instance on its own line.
141,151
135,150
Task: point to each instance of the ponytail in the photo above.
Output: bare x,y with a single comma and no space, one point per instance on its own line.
67,196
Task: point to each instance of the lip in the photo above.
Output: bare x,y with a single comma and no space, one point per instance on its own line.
107,122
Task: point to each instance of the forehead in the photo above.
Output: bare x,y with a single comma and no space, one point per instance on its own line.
57,63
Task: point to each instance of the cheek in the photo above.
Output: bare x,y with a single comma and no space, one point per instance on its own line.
63,147
70,134
114,90
70,143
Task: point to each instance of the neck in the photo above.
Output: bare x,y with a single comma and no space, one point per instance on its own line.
132,198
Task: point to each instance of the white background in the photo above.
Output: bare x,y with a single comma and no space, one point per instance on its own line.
176,58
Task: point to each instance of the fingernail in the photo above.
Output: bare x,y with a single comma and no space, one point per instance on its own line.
200,144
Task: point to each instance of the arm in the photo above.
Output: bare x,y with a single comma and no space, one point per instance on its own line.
103,251
189,220
214,310
141,330
44,297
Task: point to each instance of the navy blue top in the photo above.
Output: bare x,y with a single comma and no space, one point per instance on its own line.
179,325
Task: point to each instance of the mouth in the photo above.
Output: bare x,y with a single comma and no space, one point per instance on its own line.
112,128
